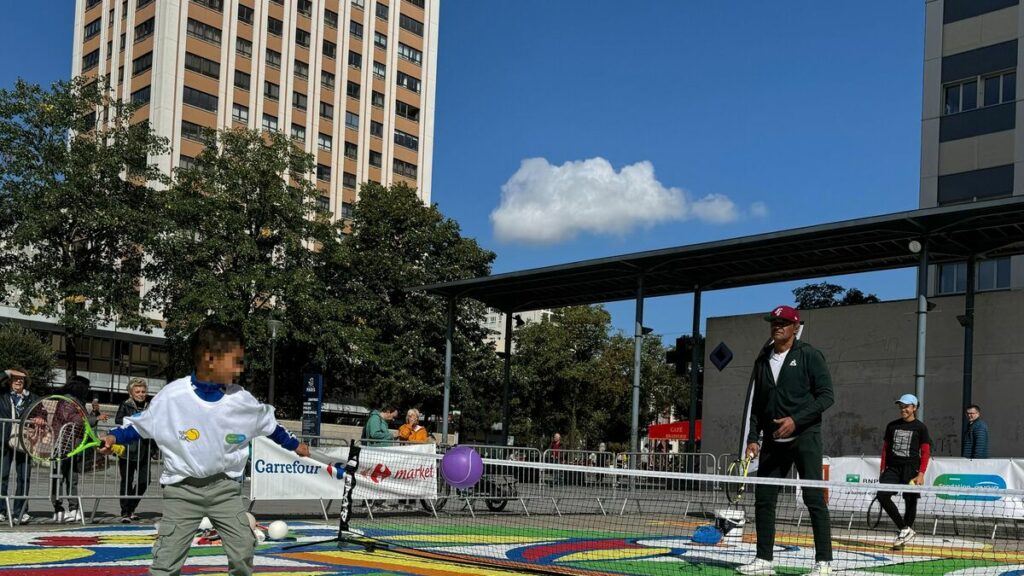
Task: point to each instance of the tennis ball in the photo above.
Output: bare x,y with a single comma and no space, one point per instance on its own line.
277,530
205,524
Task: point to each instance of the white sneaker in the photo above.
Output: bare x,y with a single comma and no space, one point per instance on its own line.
24,518
759,567
903,537
821,569
73,516
58,516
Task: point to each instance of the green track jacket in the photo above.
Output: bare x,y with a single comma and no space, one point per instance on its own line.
803,392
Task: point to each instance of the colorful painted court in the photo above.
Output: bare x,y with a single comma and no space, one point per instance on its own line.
125,550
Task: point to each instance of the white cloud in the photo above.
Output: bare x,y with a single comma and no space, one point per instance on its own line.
759,210
545,204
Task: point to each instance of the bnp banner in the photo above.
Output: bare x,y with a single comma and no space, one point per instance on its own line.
995,473
395,472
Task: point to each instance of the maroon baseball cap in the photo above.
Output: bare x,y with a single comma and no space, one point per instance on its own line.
787,313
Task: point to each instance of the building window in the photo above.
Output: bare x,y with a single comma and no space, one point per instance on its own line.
206,67
326,111
141,96
323,204
245,14
346,207
382,11
302,37
359,4
110,48
271,90
411,24
240,113
355,29
243,47
327,79
380,40
121,47
961,97
299,132
330,49
408,82
352,120
304,7
348,180
376,129
323,172
418,3
404,168
999,89
989,275
407,111
352,90
217,5
377,99
270,122
242,79
192,131
324,142
299,100
93,28
273,58
142,63
199,99
375,158
197,29
355,59
331,18
407,140
91,60
409,53
90,3
351,150
186,162
145,30
275,26
379,69
301,70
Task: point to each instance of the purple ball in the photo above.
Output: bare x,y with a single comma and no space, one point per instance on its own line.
462,467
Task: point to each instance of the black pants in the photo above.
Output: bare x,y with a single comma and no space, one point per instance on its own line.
777,458
134,481
899,474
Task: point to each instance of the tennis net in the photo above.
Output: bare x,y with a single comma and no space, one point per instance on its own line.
554,518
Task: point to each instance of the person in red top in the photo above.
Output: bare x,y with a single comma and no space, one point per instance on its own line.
905,455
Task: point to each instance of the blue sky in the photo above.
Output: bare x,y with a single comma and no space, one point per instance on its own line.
669,122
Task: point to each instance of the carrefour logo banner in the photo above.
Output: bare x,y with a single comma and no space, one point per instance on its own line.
995,473
395,472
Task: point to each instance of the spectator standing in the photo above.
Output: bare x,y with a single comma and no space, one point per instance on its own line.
976,442
411,431
95,411
64,474
905,453
11,408
376,430
134,467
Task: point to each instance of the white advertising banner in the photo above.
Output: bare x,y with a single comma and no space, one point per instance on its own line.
392,473
994,473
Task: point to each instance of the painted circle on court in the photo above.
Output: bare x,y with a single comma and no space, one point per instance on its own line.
42,555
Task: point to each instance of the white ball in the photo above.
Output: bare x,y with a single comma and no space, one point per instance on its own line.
277,530
205,524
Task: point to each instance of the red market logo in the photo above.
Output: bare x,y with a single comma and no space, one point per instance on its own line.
381,472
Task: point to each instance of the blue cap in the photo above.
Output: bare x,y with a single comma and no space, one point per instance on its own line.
908,399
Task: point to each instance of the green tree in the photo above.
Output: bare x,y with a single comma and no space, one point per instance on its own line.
396,242
827,295
20,347
76,206
239,247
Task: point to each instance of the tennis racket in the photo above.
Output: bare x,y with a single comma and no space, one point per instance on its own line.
56,428
734,490
874,513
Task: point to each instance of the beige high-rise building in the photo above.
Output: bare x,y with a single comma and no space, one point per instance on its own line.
352,80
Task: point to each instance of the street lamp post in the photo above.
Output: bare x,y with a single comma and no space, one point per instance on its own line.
274,326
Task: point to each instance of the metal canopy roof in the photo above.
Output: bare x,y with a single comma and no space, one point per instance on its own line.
987,229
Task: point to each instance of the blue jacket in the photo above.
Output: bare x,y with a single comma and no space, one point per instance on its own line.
976,442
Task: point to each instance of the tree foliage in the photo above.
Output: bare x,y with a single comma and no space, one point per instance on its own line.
21,347
826,295
76,206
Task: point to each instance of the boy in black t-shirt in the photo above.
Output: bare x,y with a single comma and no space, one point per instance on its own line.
905,456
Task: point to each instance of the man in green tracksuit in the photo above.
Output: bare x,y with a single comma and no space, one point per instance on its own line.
376,431
792,388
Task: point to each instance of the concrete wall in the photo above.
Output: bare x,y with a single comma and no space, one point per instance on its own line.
870,350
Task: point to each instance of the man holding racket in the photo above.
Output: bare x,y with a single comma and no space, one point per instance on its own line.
204,423
792,389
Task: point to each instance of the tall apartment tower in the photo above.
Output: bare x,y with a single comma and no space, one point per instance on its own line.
971,148
352,80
